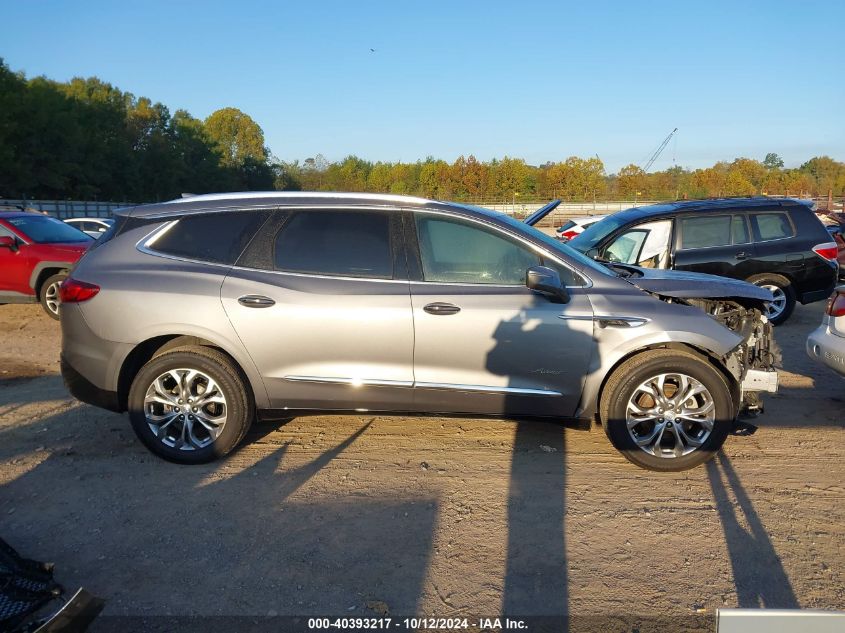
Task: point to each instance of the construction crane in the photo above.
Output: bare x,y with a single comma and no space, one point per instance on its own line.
659,150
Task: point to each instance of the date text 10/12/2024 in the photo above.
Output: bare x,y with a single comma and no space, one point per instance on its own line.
416,624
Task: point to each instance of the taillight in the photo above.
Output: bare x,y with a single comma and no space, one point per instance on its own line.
827,251
568,235
75,291
836,305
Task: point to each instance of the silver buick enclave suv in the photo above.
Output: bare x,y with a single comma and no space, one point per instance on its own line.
199,315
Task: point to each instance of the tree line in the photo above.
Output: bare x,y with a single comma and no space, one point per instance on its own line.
87,139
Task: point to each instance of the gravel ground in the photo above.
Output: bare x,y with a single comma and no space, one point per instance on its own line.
362,516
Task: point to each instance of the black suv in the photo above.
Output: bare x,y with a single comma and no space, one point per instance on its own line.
777,244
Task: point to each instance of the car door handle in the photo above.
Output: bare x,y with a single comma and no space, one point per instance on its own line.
742,255
256,301
438,308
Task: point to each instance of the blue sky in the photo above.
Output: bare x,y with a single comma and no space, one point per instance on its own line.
538,80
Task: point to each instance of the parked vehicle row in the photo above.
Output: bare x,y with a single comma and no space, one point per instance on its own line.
778,244
576,226
36,252
198,315
827,343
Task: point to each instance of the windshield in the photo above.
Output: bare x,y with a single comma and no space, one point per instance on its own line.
557,246
43,229
595,233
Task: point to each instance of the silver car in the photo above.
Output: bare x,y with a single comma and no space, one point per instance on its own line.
95,227
826,344
200,315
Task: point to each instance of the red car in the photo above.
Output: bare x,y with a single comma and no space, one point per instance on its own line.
36,252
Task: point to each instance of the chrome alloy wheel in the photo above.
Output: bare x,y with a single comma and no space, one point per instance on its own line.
777,305
670,415
51,297
185,409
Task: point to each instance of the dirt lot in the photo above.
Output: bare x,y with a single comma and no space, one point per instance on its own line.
359,516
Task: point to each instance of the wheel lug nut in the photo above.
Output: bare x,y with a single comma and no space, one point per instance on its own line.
194,409
180,400
190,400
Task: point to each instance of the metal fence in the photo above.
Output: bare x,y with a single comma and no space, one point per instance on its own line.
64,209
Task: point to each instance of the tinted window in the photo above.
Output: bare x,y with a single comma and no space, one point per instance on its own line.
460,252
340,243
739,230
709,231
706,231
43,229
215,237
773,226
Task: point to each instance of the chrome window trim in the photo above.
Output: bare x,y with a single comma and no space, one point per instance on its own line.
316,276
144,244
287,195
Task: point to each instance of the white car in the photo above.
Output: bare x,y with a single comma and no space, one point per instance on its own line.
576,226
94,227
827,344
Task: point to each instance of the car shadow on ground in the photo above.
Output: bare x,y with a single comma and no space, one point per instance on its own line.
221,539
760,578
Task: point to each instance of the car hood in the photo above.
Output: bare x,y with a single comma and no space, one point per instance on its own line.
686,285
70,248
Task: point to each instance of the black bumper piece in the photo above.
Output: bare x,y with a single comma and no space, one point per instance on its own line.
82,389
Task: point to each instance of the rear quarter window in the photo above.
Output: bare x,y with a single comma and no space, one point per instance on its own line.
214,237
772,226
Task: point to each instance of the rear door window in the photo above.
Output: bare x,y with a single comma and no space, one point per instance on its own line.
772,226
336,243
213,237
711,231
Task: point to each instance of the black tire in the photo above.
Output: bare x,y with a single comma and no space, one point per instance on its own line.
239,406
48,294
622,385
785,286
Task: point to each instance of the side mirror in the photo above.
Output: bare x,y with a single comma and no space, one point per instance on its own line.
546,281
9,242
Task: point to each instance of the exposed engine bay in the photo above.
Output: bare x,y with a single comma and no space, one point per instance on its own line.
753,362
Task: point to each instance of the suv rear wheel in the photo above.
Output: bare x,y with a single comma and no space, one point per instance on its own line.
667,410
49,294
783,304
190,405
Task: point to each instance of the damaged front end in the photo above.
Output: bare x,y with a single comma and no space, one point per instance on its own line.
740,307
753,362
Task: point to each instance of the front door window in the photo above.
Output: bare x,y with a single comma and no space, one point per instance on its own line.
645,245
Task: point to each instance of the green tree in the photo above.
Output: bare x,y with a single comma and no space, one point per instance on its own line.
236,136
773,161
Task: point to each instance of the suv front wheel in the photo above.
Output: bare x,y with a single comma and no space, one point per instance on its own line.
667,410
190,405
